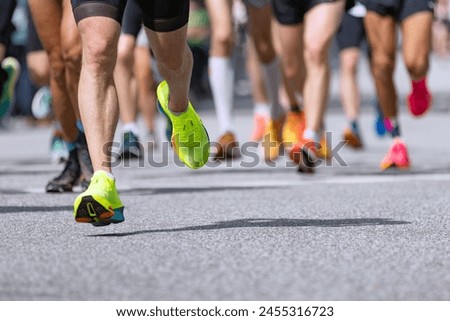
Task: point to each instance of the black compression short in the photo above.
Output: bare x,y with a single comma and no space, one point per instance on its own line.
351,33
157,15
399,9
6,27
292,12
132,19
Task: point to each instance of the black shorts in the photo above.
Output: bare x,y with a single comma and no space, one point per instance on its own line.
132,19
34,43
351,33
157,15
399,9
292,12
7,8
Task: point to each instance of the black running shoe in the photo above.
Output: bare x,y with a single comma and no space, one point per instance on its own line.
68,177
131,146
85,161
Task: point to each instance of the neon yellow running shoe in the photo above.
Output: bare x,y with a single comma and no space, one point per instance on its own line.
190,139
11,70
100,203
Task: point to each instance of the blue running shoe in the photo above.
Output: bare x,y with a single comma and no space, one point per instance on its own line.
380,129
41,106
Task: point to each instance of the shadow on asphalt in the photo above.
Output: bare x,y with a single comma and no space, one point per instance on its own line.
189,190
353,170
31,209
27,172
393,172
214,171
252,223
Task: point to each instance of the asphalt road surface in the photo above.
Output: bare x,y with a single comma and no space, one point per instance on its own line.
238,231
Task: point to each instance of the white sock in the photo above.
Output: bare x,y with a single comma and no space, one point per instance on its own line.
299,98
271,72
110,175
130,127
261,108
312,135
221,78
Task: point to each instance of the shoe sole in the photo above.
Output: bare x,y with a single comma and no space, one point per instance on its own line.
59,190
394,166
91,211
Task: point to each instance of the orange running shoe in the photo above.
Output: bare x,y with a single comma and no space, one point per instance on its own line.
293,128
397,156
227,147
259,127
272,140
324,150
352,138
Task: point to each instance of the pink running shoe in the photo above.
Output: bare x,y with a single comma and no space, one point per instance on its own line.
388,125
419,101
397,156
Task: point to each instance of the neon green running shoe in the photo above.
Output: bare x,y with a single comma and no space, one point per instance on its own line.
100,203
190,139
11,66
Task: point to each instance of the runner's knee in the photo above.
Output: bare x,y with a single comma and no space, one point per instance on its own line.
100,55
417,67
175,62
315,53
291,67
266,52
383,65
222,41
125,55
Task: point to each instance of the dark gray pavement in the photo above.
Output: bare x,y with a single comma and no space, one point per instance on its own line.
236,233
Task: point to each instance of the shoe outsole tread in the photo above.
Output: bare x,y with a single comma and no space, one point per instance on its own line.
385,167
92,211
